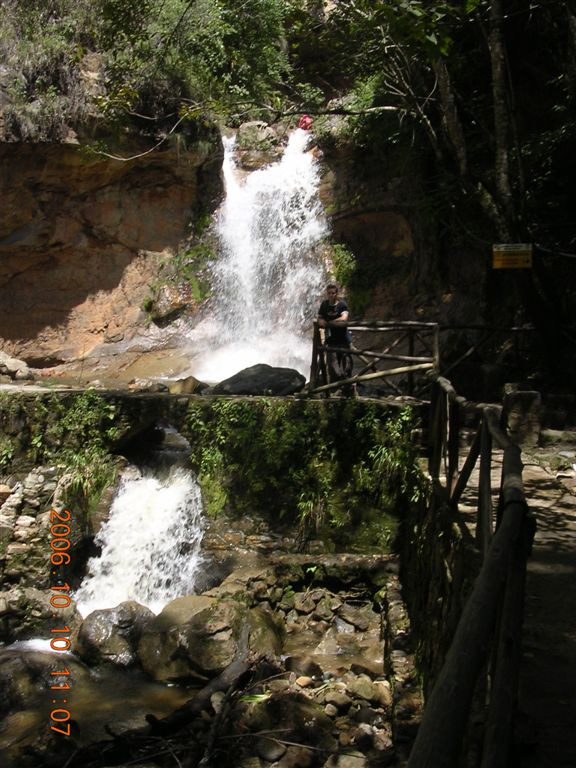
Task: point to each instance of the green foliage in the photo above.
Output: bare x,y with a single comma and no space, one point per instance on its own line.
344,264
329,469
153,58
191,265
6,452
393,462
75,432
84,433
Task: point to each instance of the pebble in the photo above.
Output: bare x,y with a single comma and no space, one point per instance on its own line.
270,749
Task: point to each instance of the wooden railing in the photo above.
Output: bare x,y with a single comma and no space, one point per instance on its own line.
376,349
488,636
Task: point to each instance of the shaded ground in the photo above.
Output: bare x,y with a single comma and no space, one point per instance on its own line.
546,719
547,702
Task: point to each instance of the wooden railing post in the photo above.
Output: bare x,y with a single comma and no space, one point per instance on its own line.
453,442
484,519
435,431
314,364
508,651
411,354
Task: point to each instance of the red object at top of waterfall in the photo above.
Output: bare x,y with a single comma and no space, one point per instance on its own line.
305,122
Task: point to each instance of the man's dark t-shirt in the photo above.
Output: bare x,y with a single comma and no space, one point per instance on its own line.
336,337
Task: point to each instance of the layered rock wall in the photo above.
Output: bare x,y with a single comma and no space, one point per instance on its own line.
82,237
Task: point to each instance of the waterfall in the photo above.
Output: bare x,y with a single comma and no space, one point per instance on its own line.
268,279
150,544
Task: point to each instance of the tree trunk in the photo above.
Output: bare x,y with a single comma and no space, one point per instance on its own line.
451,119
501,114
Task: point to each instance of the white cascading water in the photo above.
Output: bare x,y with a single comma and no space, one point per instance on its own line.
150,545
268,279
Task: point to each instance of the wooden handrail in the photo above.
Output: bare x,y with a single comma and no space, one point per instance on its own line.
410,334
492,617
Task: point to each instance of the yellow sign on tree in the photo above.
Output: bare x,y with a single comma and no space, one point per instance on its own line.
511,255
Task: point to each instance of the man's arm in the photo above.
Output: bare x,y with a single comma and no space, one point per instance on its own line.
342,318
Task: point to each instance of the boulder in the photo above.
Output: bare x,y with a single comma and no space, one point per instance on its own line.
197,638
26,676
14,368
262,379
186,386
112,635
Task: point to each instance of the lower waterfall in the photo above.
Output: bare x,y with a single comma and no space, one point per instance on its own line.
150,544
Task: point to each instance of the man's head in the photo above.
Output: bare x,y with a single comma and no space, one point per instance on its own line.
332,290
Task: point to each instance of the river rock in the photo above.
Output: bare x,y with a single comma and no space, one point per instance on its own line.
350,759
186,386
26,612
112,635
270,749
25,676
207,641
300,720
261,379
14,368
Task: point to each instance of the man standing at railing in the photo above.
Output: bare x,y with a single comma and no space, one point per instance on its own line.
333,318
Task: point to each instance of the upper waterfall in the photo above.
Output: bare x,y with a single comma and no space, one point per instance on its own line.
267,279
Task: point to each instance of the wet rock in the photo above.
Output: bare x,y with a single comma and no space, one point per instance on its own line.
359,618
27,612
323,610
170,301
147,385
186,386
206,642
296,757
302,720
361,687
261,379
362,736
303,665
382,693
25,676
5,491
270,749
258,143
348,759
339,699
112,635
250,762
303,602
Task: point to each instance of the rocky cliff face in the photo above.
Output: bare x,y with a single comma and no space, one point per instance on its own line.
82,237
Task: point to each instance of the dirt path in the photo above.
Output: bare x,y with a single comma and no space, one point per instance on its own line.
547,702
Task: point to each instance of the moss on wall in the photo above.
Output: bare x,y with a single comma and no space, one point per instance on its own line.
339,470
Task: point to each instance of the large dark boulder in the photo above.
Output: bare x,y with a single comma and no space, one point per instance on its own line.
111,635
261,379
